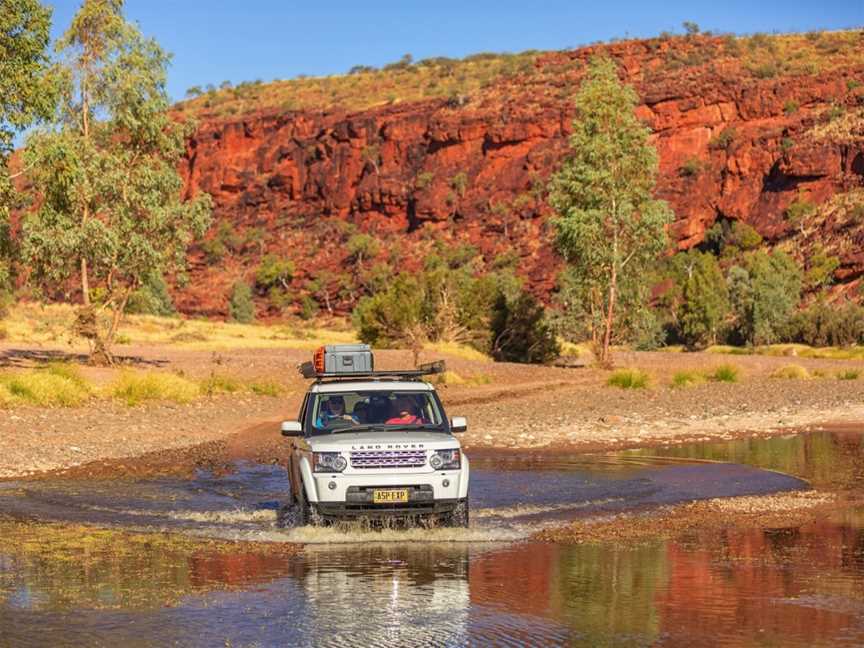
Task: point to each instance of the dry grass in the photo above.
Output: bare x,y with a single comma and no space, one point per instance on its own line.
31,323
848,374
450,378
727,373
629,379
457,350
683,379
54,386
792,372
429,79
760,55
794,350
136,387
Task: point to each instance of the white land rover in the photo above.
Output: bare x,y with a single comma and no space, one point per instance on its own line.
374,444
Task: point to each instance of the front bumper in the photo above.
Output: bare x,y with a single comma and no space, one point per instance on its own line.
358,503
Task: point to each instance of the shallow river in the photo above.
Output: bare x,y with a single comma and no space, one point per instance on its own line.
797,586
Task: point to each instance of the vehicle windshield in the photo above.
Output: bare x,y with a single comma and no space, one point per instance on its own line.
380,409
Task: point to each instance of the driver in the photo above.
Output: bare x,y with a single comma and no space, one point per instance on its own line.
332,410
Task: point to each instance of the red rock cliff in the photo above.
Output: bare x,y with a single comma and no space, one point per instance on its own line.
472,169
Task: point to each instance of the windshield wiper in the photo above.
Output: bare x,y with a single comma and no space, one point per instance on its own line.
359,428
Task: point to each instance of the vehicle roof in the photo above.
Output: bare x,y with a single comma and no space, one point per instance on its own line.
369,385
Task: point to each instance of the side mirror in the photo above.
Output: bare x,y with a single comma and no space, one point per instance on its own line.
292,429
458,424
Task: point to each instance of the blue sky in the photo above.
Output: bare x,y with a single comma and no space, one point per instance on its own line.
215,40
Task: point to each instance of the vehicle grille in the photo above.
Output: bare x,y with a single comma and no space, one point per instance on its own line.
388,459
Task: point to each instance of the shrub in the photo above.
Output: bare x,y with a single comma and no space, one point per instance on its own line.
362,246
629,379
705,300
309,308
521,331
722,140
459,182
241,308
274,271
823,324
763,294
792,372
687,379
220,384
724,373
424,179
848,374
692,167
266,388
790,107
55,386
134,388
152,298
799,210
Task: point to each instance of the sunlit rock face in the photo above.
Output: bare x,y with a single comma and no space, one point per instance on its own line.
732,146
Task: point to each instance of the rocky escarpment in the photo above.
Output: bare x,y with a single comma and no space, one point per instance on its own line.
473,169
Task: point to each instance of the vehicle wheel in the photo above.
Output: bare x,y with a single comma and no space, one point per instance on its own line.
458,518
308,513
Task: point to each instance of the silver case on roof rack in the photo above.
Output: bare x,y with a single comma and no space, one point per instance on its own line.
348,358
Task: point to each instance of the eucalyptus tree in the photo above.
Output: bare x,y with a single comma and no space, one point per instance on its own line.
26,95
610,228
112,211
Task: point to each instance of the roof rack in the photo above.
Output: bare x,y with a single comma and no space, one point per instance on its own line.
307,370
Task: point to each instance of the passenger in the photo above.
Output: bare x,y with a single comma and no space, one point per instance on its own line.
378,409
404,412
361,411
333,410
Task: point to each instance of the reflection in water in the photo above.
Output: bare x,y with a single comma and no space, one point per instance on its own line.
797,586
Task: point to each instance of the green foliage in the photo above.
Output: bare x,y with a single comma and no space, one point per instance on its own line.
848,374
764,294
309,308
683,379
786,144
54,386
152,298
395,316
629,379
731,239
424,179
112,212
692,167
274,271
362,246
821,267
241,308
791,107
799,210
705,300
691,28
521,332
27,95
610,228
723,140
459,183
823,324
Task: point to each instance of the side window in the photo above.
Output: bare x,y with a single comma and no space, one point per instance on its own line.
300,416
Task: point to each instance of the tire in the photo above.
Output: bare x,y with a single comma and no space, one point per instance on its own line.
458,517
308,513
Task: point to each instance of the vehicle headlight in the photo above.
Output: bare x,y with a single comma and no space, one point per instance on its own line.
445,459
328,462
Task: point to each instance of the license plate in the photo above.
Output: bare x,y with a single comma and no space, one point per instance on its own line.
389,496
